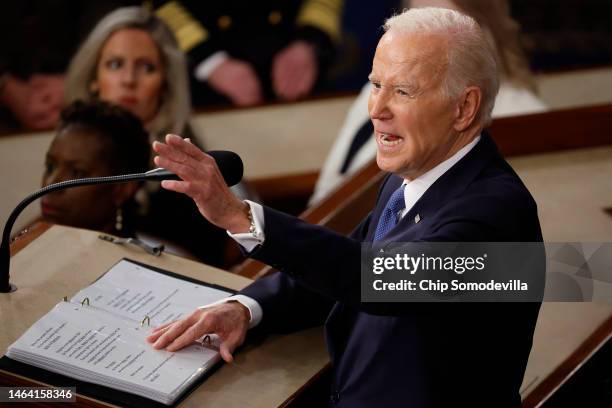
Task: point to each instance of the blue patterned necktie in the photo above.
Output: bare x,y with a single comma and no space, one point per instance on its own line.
390,214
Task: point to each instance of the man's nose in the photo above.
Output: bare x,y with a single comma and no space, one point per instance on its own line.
379,105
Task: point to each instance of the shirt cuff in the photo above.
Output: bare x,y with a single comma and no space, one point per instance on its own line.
249,240
206,67
255,311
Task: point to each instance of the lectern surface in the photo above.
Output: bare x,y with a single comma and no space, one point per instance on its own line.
63,260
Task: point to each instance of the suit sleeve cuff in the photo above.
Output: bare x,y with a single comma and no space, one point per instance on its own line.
250,240
255,311
203,70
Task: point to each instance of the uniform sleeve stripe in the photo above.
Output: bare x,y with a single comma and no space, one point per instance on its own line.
187,30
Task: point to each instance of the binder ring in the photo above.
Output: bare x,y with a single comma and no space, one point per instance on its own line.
146,320
207,342
85,301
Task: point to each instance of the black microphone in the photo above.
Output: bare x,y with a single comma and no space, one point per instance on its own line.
229,163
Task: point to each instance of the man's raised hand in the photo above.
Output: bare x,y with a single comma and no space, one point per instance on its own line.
202,181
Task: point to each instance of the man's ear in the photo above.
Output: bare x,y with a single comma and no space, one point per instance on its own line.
124,192
468,107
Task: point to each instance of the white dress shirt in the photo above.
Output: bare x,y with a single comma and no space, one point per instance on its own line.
413,191
205,68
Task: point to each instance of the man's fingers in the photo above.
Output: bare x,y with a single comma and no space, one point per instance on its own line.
174,154
185,146
302,82
162,327
192,173
186,338
183,170
175,330
226,354
230,341
191,178
293,83
294,70
191,334
280,86
167,336
288,89
249,93
247,98
281,75
225,320
229,344
176,186
156,333
181,157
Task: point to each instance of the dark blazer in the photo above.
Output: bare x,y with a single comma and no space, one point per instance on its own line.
409,354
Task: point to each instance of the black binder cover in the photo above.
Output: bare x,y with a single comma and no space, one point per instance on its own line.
100,392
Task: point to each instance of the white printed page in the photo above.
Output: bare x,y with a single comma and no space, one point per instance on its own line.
81,342
133,292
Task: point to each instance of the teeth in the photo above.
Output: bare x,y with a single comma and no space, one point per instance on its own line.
385,140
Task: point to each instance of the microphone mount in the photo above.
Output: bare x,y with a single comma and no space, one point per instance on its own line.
229,163
5,257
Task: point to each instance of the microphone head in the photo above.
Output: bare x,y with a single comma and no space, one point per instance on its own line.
230,165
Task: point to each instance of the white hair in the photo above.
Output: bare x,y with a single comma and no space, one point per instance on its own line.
175,107
470,56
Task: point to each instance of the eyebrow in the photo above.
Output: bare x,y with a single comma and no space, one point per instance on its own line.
149,60
109,57
413,85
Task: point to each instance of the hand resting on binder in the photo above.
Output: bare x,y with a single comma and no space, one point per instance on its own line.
229,321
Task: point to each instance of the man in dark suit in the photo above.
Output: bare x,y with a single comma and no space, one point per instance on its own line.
434,84
247,52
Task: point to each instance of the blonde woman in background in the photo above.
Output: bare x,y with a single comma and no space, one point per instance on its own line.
132,59
355,147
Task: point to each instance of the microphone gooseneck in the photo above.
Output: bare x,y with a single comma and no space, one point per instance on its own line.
229,163
5,256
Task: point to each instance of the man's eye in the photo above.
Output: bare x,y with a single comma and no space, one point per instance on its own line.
49,168
376,85
402,92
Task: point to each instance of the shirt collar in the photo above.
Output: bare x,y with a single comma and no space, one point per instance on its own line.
414,189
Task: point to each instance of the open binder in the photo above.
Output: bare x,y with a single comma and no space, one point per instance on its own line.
96,336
